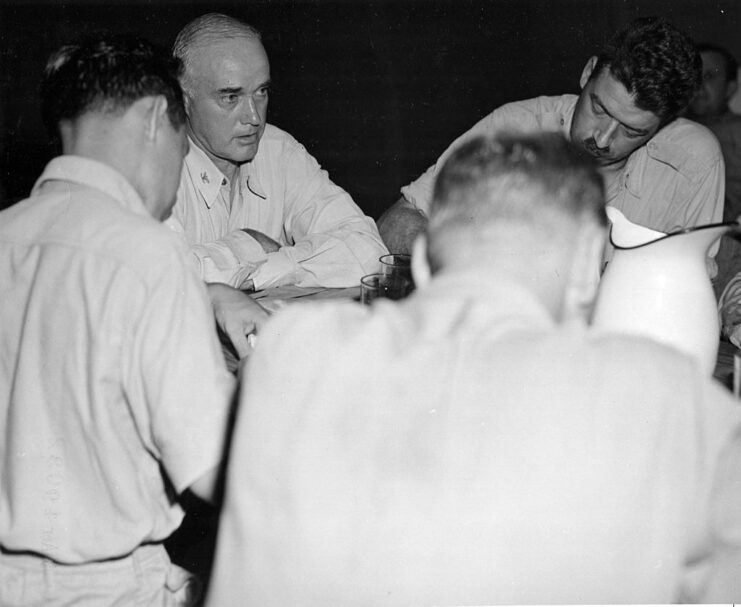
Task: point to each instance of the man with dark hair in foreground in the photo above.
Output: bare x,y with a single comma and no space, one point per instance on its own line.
114,397
661,172
476,444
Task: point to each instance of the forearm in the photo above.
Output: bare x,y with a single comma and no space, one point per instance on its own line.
335,259
399,226
230,260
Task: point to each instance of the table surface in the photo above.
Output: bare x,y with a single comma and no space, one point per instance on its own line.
277,297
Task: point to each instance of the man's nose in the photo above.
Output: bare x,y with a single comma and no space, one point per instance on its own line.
250,113
606,132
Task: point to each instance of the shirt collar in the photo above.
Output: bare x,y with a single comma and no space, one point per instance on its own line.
204,174
209,179
94,174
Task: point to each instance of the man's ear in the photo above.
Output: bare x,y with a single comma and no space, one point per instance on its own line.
186,101
587,71
420,265
584,275
156,114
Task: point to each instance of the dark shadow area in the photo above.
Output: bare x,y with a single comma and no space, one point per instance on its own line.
374,89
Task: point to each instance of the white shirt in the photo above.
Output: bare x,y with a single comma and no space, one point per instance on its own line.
283,192
113,388
675,181
458,448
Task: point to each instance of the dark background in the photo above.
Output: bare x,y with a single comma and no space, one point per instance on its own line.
375,89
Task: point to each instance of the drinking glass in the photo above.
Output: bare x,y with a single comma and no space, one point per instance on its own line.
397,264
389,286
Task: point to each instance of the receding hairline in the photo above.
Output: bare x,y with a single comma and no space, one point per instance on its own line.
208,28
203,31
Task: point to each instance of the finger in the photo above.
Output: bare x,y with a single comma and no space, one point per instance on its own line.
239,341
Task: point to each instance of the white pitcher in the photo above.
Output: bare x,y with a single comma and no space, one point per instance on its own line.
657,285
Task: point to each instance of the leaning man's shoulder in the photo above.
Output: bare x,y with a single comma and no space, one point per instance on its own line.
688,146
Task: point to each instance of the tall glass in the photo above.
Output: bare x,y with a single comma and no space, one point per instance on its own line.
398,266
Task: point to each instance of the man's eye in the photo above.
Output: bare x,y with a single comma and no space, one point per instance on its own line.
263,92
597,109
229,98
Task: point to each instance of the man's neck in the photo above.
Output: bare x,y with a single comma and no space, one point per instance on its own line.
229,169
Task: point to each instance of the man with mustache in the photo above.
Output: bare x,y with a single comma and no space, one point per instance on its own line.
661,172
256,208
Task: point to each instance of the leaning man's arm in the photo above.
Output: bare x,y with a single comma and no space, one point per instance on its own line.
400,224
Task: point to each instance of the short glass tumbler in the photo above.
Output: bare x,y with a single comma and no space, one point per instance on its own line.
388,286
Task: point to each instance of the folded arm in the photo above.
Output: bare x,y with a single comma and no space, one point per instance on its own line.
329,242
322,237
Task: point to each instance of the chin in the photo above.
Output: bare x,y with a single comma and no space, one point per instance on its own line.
244,156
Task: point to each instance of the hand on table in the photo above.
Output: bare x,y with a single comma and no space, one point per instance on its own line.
237,315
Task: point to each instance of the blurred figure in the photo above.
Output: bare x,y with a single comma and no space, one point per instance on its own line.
114,398
256,208
661,172
709,107
483,446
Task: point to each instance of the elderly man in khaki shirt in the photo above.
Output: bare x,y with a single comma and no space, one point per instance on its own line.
254,206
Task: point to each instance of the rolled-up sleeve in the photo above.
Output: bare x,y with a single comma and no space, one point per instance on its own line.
546,114
230,260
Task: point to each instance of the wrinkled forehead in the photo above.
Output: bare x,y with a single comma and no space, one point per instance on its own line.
209,58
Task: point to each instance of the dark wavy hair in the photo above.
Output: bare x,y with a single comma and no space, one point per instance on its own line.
108,73
655,62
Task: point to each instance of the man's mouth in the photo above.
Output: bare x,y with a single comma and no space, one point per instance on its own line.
591,148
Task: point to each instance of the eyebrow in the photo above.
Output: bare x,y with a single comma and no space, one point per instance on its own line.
230,90
595,99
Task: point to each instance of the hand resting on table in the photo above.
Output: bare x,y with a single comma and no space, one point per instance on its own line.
237,315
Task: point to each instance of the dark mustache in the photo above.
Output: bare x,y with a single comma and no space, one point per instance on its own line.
591,146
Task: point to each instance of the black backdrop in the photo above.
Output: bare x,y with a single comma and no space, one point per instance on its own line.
374,89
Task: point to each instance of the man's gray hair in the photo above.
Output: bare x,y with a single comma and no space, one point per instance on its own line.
513,179
205,29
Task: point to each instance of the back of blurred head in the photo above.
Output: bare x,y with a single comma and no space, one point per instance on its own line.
117,100
528,208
